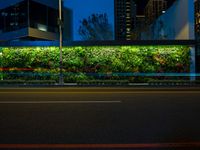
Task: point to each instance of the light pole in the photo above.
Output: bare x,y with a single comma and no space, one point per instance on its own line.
61,81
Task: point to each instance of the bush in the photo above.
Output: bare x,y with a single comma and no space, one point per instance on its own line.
42,63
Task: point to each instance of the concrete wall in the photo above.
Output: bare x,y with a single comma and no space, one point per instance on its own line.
14,34
42,35
28,32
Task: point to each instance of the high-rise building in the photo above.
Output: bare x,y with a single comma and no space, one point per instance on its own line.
28,20
154,9
140,26
125,19
197,33
197,19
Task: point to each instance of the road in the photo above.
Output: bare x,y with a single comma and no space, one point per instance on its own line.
110,116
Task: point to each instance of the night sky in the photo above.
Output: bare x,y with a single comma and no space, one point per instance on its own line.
140,4
84,8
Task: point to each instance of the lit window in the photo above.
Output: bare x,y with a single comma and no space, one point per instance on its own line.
42,27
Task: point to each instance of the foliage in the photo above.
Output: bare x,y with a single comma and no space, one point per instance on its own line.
96,27
93,62
1,65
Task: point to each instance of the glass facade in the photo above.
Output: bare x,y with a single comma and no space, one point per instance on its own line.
28,14
125,19
197,32
14,17
42,17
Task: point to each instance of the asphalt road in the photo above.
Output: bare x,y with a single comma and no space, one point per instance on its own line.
99,116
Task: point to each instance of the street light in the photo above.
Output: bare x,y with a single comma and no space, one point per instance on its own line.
61,81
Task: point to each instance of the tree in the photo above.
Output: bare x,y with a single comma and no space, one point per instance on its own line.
96,27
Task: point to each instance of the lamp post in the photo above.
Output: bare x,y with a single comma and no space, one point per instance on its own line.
61,81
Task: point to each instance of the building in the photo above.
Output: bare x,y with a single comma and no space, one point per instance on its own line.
172,25
197,33
197,19
140,26
28,20
125,19
154,9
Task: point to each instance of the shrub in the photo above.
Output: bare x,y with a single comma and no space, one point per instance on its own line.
98,61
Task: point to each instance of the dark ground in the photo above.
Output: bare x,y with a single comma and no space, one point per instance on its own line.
99,116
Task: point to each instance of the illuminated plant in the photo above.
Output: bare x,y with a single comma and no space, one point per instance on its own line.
78,61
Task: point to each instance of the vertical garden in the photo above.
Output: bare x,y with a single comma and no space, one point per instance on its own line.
92,62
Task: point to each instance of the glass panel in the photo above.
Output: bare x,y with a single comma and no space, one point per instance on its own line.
52,19
124,20
38,15
42,17
14,17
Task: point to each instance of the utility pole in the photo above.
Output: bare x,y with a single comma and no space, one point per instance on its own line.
61,81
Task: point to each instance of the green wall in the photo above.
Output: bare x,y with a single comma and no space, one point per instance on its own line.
80,60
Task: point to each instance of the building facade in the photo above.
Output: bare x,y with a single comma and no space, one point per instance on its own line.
197,33
125,19
172,25
197,19
154,9
28,20
140,26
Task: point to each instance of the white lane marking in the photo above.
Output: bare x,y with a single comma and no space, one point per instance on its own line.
59,102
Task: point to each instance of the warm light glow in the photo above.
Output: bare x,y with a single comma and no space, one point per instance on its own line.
42,27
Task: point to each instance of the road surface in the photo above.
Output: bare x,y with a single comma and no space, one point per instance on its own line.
101,117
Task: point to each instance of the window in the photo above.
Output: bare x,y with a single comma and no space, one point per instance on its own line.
14,17
42,17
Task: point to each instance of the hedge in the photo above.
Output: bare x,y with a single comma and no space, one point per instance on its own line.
79,61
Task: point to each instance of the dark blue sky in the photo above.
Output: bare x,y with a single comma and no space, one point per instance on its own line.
84,8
